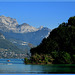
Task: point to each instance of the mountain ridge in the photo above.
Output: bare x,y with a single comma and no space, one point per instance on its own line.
9,24
23,36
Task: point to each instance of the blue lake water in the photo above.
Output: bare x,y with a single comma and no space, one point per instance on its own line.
17,66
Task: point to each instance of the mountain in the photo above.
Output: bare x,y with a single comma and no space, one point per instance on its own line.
24,28
12,30
8,49
30,37
1,36
23,36
9,24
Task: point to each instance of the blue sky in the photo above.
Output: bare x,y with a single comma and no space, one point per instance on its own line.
48,14
37,0
36,74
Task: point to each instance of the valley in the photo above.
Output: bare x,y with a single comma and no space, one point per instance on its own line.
19,39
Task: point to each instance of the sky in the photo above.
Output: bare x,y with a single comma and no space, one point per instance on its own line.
37,0
38,13
36,74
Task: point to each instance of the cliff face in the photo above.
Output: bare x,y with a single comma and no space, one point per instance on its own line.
9,24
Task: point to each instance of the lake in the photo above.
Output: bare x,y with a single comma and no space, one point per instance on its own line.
17,66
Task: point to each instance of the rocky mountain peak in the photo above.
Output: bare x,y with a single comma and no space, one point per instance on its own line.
8,21
24,28
25,24
9,24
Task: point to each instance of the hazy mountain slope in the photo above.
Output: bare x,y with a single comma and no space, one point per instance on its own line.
24,32
5,44
14,32
32,37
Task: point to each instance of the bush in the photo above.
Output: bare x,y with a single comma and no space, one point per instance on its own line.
67,58
73,59
26,60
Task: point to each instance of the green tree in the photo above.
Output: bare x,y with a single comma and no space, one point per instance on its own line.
60,44
71,21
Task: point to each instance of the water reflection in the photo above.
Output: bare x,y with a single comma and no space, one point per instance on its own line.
19,67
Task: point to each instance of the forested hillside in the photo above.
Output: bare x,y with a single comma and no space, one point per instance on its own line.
8,49
58,47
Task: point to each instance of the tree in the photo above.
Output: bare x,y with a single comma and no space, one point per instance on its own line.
71,21
60,44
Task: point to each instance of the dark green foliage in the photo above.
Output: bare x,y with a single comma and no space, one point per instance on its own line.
26,60
60,44
39,59
73,57
71,21
62,58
